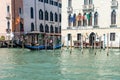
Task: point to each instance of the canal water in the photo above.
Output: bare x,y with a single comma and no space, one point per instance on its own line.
23,64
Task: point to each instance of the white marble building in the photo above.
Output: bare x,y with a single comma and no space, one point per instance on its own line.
91,21
5,18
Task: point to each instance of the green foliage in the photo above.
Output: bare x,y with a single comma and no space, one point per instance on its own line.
2,38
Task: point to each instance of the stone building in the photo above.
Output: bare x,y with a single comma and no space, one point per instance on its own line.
42,19
91,22
10,22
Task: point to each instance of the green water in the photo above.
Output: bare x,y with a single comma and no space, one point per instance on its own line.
19,64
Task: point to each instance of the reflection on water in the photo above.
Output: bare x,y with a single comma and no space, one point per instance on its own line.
19,64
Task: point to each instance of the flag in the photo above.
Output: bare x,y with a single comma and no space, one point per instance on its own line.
72,18
17,21
83,17
78,18
88,16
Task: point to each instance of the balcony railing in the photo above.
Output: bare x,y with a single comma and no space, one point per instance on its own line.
114,4
95,26
113,26
85,8
88,8
8,16
91,7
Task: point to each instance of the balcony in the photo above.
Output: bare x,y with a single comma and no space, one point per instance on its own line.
95,26
91,8
88,8
85,8
114,4
8,16
69,10
113,26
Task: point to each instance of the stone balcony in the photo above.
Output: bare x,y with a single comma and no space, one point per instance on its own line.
91,8
88,8
85,8
113,26
114,4
95,26
8,16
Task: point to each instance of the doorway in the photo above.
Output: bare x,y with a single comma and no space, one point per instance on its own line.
92,39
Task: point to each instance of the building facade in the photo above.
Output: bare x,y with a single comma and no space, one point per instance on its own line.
9,16
5,18
90,22
42,18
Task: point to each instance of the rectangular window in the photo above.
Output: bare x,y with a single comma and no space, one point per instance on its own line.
69,37
78,36
112,36
20,11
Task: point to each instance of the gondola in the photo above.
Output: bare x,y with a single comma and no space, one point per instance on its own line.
31,47
43,47
40,47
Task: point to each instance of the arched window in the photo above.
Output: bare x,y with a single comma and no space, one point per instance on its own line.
41,28
59,17
32,26
31,12
46,15
96,18
46,28
56,29
51,29
56,17
89,17
40,14
51,16
113,17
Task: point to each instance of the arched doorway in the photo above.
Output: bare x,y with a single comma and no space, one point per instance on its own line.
92,39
